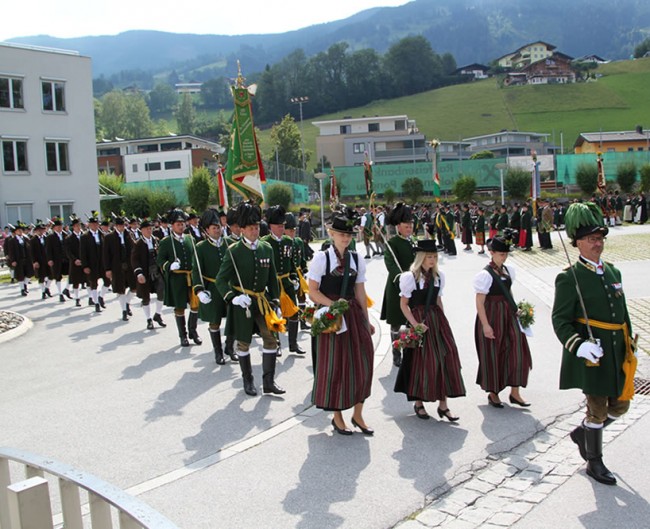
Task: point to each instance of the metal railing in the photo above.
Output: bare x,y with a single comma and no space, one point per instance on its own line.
28,502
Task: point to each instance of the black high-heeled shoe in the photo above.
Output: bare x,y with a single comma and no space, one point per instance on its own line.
493,403
447,414
342,431
365,431
417,409
521,403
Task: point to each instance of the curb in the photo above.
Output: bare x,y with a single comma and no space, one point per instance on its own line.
25,326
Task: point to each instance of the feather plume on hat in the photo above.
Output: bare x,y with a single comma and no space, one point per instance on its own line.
582,219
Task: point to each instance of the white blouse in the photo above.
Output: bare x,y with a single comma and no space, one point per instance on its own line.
318,266
407,283
483,280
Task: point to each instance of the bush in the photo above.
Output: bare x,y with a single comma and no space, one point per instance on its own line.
626,176
517,182
482,155
116,184
464,188
279,194
136,201
644,172
587,178
413,188
389,195
160,201
198,189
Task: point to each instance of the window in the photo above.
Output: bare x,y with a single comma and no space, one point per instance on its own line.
19,212
11,92
148,148
155,166
14,156
56,156
63,211
400,124
134,167
175,146
174,164
345,129
373,127
630,149
358,148
53,96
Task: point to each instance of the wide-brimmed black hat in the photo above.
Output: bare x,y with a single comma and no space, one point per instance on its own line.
192,215
400,213
210,217
499,244
231,216
176,215
119,220
276,214
345,221
74,220
94,217
39,225
427,246
146,223
105,222
248,214
290,221
584,218
56,221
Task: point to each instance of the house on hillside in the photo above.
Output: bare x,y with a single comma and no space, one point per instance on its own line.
507,143
193,87
554,69
477,71
596,59
387,139
527,54
618,141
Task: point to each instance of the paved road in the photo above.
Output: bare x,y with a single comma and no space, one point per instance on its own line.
171,427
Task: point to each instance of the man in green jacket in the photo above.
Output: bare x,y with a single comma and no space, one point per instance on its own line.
594,366
247,280
175,261
205,267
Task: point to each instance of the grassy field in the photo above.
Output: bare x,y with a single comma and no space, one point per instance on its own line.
616,101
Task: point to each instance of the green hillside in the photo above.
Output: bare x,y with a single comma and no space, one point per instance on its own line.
616,101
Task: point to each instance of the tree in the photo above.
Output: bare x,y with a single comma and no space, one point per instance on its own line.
587,177
215,93
163,98
364,78
186,115
641,49
113,115
412,66
198,188
448,63
413,188
626,176
137,121
517,182
279,194
116,184
136,202
160,201
285,138
389,195
464,188
644,172
482,155
101,86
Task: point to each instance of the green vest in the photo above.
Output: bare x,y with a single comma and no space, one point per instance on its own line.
177,283
204,273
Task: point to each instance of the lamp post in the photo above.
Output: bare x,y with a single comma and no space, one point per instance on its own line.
320,177
299,101
501,167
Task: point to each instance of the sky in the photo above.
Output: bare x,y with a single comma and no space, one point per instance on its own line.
80,18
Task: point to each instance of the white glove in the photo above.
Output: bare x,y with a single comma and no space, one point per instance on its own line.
320,312
590,351
243,301
296,285
175,265
204,297
278,312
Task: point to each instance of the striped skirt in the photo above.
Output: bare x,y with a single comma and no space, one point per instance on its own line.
467,236
431,372
344,364
480,238
504,361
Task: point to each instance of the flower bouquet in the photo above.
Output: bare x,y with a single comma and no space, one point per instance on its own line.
526,314
307,314
331,319
410,337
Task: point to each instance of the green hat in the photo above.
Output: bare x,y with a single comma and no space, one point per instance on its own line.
582,219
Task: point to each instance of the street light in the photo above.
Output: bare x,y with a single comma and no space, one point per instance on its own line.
299,101
320,177
501,167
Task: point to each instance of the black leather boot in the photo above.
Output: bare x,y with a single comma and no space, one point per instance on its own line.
97,307
128,310
158,319
125,316
150,324
215,336
247,375
191,327
182,331
293,337
578,437
268,375
230,349
594,451
101,302
66,293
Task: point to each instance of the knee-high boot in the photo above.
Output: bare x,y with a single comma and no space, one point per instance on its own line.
230,349
247,375
215,336
191,327
268,375
578,437
182,331
594,451
293,337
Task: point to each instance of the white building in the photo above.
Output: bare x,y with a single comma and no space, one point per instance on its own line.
47,133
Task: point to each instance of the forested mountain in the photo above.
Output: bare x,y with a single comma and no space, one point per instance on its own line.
470,30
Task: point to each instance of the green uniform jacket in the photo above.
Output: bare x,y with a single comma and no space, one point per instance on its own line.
605,302
210,257
257,272
299,256
503,222
480,224
177,283
283,255
403,248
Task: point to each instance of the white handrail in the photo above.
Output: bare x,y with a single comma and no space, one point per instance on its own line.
132,512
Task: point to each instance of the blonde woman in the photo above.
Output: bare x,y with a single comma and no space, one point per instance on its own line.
430,371
343,361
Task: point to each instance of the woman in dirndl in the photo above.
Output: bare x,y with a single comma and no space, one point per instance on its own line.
430,371
343,360
503,352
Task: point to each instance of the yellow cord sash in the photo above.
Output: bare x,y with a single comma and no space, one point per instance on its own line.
288,307
630,361
273,322
194,300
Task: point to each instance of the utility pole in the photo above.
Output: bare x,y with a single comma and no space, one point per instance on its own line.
299,101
